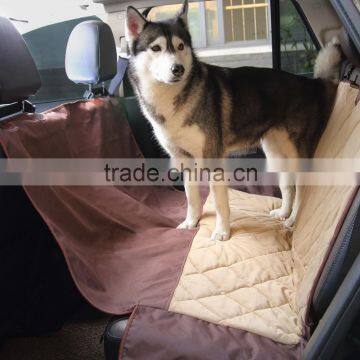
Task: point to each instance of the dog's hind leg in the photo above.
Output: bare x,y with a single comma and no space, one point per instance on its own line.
277,146
194,209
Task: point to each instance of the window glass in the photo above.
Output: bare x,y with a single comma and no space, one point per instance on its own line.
228,33
46,26
213,32
298,51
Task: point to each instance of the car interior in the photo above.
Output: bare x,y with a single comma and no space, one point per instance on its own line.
101,271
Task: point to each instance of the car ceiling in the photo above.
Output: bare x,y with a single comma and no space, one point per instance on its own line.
120,5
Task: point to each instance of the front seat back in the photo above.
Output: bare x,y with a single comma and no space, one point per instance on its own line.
91,55
19,78
91,60
35,278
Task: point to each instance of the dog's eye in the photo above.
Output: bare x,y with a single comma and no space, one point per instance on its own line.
181,47
156,48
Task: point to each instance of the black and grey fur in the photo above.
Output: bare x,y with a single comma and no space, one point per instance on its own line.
206,111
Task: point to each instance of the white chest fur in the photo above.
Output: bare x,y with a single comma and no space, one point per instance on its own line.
173,131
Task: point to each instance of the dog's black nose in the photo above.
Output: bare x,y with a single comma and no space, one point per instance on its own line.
177,70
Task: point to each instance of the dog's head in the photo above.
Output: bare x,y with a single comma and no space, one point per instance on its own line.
160,50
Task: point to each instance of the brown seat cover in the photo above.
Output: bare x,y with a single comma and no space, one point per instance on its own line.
121,243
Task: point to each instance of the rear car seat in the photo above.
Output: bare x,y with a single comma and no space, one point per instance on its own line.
327,310
335,302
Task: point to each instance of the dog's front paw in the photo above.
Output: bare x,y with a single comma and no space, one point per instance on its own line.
220,235
188,224
280,214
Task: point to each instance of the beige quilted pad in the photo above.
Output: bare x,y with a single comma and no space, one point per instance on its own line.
261,279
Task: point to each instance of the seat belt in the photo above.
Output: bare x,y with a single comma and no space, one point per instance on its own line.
115,83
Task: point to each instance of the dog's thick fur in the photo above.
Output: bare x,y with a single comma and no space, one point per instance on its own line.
205,111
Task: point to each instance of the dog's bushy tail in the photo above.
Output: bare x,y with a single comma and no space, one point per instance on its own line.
328,62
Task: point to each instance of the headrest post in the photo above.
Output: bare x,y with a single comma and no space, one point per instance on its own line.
16,108
28,107
89,94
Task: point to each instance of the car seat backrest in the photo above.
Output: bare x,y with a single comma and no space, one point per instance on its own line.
19,77
91,53
339,261
324,208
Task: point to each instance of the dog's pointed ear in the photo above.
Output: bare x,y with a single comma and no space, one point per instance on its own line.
182,15
135,23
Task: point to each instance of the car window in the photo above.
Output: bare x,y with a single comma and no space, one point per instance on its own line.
298,50
229,32
46,33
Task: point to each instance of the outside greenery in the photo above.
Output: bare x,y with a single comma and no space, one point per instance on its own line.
298,51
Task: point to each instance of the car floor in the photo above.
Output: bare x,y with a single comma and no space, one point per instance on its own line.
77,340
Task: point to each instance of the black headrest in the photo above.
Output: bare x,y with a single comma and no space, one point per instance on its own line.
91,53
19,77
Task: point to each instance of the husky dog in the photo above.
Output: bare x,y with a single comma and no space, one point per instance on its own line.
203,111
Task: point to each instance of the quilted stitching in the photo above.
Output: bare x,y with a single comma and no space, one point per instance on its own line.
261,279
230,282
